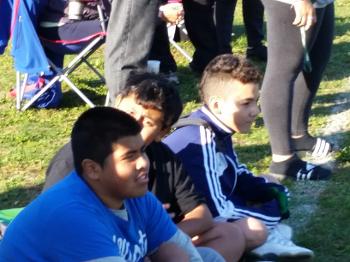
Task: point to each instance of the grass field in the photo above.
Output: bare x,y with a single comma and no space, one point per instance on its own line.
320,211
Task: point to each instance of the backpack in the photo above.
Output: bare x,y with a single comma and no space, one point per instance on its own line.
51,98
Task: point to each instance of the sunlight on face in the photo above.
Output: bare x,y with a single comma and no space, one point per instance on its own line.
239,108
125,170
151,120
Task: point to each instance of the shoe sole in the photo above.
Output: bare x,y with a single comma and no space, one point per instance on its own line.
281,178
275,258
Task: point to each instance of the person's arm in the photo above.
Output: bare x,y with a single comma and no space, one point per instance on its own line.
161,230
196,215
169,252
196,221
195,147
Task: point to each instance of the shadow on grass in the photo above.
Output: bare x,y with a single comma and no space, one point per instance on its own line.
340,100
337,68
71,99
19,197
341,26
93,83
251,155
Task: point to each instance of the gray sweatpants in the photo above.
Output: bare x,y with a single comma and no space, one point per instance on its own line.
130,33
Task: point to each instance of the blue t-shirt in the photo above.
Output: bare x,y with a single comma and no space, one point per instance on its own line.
70,223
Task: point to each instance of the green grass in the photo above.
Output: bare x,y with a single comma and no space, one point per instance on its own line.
29,139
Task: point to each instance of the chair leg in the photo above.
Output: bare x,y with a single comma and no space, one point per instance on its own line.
183,52
94,70
63,75
37,95
76,90
20,88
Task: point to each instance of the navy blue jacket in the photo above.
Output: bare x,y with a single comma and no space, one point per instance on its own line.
209,157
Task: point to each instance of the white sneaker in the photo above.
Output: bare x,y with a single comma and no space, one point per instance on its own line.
278,247
285,230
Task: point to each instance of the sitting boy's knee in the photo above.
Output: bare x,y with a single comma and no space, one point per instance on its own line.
228,231
254,230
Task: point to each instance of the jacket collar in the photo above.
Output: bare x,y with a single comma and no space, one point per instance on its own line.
213,119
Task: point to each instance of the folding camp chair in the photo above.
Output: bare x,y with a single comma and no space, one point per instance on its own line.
25,19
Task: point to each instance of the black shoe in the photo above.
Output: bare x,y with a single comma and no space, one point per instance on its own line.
257,53
298,169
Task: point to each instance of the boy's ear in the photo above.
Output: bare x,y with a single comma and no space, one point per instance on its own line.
215,104
118,99
91,169
162,133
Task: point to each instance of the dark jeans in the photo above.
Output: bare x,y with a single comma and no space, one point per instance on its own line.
209,25
201,31
161,49
253,16
77,33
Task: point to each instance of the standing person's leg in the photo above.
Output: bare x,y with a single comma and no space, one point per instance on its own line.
278,90
161,49
130,33
308,83
71,32
223,16
253,16
201,31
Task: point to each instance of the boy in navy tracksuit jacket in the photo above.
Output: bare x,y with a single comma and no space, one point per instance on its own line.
229,91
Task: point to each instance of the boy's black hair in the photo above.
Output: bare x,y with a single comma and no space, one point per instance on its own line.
224,69
95,132
156,92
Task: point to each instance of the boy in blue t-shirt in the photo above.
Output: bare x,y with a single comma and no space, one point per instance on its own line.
156,105
102,210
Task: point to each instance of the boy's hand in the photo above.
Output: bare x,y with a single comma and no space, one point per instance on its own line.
282,200
305,14
171,13
270,191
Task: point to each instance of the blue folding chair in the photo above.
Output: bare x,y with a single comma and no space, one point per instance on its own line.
30,58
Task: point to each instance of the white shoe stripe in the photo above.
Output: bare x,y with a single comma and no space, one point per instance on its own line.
317,147
322,148
308,177
326,149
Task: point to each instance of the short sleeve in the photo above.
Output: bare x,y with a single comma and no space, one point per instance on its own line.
160,227
186,194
